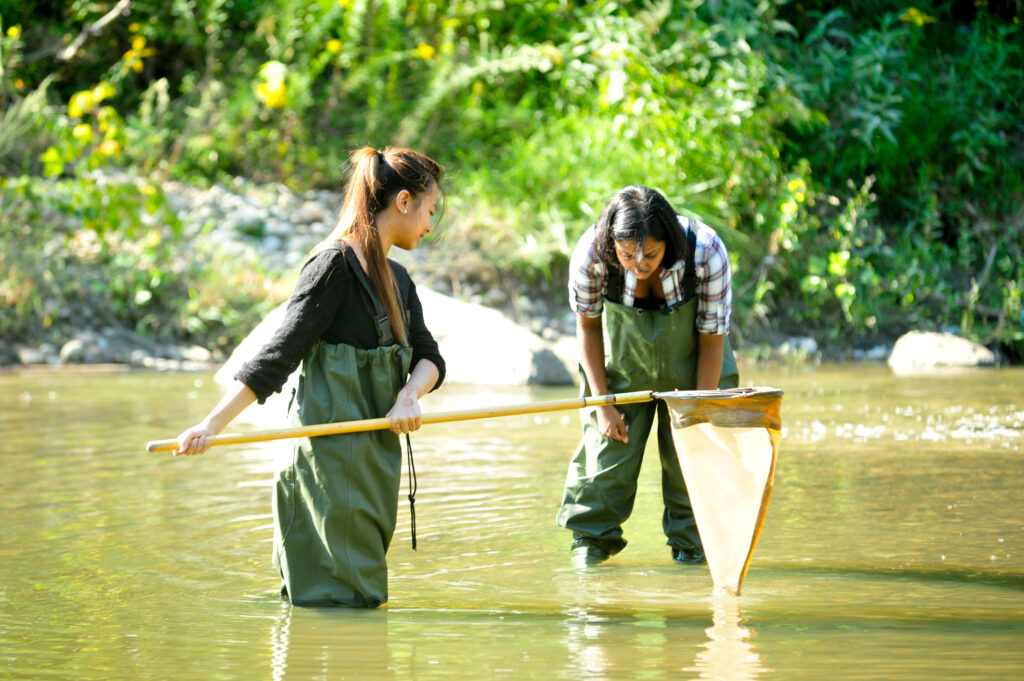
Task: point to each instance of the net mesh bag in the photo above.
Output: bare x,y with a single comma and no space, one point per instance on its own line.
727,442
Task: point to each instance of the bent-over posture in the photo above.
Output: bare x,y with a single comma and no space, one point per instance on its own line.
652,295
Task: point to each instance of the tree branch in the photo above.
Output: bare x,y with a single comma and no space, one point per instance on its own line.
69,52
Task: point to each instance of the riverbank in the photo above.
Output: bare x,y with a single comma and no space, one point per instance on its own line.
466,293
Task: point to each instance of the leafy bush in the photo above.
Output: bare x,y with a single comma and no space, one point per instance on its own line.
93,252
863,161
929,110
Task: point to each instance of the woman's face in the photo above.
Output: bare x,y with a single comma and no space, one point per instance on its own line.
414,222
643,262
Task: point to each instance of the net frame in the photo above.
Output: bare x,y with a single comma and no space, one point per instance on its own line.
723,480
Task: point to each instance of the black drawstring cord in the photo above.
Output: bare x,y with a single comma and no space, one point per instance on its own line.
412,488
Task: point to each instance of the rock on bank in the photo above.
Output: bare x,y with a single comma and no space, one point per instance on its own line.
480,347
925,351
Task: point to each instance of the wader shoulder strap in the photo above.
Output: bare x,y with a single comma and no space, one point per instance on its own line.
690,273
373,304
616,285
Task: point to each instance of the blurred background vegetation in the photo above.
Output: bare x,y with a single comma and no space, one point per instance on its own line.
862,159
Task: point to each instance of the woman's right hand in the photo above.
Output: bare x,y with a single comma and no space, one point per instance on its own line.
194,441
612,424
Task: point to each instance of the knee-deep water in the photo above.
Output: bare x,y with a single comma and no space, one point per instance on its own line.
893,547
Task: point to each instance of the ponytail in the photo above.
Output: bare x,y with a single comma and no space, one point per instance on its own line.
375,178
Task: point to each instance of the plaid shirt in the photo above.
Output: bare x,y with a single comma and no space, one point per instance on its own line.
588,280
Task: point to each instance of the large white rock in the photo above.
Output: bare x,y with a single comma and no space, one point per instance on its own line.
480,347
923,351
483,347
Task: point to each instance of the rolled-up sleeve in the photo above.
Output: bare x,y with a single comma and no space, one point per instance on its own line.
422,341
714,290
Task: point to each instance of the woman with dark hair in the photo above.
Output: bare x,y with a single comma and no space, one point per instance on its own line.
355,324
658,286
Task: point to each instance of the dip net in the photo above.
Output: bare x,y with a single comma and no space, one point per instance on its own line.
727,442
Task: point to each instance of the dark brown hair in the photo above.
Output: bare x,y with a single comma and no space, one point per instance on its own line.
633,214
375,178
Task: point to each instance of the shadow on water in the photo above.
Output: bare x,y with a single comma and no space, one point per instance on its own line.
1003,579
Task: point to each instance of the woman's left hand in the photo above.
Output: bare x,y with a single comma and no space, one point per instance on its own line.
405,415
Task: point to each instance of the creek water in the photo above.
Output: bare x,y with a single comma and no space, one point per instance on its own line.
893,547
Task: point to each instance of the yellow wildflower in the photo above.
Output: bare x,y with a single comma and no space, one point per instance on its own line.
275,98
107,115
109,148
14,31
915,16
424,52
334,46
133,57
272,90
83,132
103,91
134,27
81,103
139,49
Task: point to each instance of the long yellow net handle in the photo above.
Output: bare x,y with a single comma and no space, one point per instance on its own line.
437,417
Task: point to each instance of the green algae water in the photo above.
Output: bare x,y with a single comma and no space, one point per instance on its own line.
893,548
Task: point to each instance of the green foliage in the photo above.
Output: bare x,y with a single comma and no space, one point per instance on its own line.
24,132
613,98
863,161
930,109
92,252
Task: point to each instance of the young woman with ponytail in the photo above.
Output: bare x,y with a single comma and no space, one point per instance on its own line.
355,325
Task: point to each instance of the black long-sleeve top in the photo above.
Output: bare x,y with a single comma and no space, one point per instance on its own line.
327,305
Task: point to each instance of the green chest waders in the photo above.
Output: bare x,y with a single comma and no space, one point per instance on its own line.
644,350
336,502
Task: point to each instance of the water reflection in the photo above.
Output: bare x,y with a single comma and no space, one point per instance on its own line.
882,537
587,644
329,643
309,643
728,653
654,646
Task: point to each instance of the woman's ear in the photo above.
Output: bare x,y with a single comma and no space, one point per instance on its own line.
403,200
